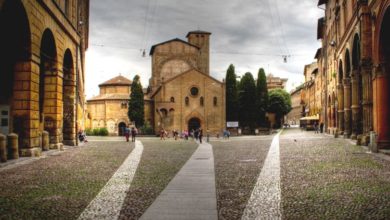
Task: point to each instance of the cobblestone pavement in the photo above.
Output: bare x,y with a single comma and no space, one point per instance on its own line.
160,162
191,193
238,162
59,186
327,178
264,202
109,201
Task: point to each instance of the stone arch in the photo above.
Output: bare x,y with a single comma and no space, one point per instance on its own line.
347,95
356,52
68,91
121,128
48,83
341,72
382,78
173,67
347,63
357,89
15,53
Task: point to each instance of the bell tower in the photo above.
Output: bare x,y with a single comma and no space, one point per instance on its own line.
201,39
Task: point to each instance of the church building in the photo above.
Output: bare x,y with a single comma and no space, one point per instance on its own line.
184,94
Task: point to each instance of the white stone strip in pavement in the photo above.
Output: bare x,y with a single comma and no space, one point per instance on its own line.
191,193
264,202
108,203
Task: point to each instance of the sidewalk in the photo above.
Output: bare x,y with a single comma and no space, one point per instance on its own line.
191,194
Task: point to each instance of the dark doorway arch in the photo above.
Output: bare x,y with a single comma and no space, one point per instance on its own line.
68,91
15,48
193,124
48,55
121,129
383,96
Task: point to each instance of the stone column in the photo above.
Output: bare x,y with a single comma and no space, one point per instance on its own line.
340,110
347,108
367,100
25,107
69,114
355,104
3,148
381,106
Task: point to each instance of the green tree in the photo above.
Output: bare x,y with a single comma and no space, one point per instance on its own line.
136,103
261,97
231,95
279,103
247,104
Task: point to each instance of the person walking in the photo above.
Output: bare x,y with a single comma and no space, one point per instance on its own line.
162,134
133,134
127,133
200,133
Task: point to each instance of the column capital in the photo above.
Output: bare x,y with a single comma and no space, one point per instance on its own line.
347,81
379,70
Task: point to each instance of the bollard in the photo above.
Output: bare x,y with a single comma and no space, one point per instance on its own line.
45,141
373,142
13,146
3,148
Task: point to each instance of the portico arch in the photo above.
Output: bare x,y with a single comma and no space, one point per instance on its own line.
381,84
347,96
49,116
15,56
69,94
357,87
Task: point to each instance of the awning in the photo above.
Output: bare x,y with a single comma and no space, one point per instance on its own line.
310,118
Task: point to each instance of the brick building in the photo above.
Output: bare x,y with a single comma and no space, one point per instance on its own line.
184,94
109,109
354,59
42,47
274,82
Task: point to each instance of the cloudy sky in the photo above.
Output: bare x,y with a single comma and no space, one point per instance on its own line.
249,34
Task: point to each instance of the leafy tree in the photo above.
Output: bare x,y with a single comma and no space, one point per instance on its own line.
231,95
279,103
136,103
261,97
247,104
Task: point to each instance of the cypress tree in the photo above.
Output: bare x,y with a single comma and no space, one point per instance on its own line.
261,97
247,104
136,103
231,95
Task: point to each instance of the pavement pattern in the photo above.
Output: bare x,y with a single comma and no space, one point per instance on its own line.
191,194
109,201
264,202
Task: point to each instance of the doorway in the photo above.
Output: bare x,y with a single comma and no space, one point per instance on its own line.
121,129
193,124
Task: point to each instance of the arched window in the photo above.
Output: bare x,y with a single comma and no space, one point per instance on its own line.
201,101
215,101
172,99
187,101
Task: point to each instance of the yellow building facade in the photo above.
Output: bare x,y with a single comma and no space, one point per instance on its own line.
43,45
184,95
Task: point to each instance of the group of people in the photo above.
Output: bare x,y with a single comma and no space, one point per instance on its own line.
130,132
196,134
318,128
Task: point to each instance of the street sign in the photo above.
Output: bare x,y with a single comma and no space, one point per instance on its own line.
232,124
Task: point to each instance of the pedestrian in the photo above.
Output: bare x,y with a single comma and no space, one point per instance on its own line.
127,133
200,133
196,134
133,134
322,127
228,134
315,128
175,134
162,134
